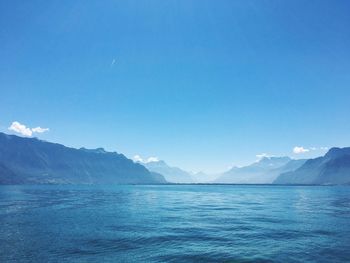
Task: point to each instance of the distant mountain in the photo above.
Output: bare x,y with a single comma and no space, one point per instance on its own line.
33,161
265,171
202,177
171,174
333,168
271,175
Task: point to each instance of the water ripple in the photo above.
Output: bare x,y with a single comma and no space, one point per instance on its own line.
174,224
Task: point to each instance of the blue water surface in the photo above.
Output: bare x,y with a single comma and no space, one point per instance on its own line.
175,223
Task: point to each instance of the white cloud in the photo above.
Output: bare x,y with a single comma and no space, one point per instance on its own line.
300,149
40,130
152,159
138,158
20,128
24,130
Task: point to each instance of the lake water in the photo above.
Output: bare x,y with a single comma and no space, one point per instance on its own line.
174,223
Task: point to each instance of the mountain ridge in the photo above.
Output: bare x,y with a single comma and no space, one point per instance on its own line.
33,161
263,171
332,168
171,173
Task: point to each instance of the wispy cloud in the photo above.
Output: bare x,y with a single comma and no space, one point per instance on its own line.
263,155
152,159
40,130
138,158
113,62
313,148
301,149
24,130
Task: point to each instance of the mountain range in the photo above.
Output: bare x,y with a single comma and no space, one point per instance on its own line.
202,177
33,161
171,174
333,168
264,171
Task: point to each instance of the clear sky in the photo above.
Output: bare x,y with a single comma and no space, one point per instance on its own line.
201,84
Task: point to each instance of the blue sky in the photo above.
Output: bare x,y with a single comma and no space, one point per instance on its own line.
201,84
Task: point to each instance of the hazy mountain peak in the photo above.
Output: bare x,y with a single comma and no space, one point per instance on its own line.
263,171
171,174
97,150
274,158
272,162
159,162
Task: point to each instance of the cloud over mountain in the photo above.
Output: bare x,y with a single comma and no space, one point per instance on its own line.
138,158
24,130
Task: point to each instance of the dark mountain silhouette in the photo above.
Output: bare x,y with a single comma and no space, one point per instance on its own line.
33,161
333,168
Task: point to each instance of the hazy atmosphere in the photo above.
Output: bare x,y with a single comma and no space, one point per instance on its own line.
203,85
175,131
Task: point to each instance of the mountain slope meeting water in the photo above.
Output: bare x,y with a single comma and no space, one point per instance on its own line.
171,174
264,171
33,161
333,168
